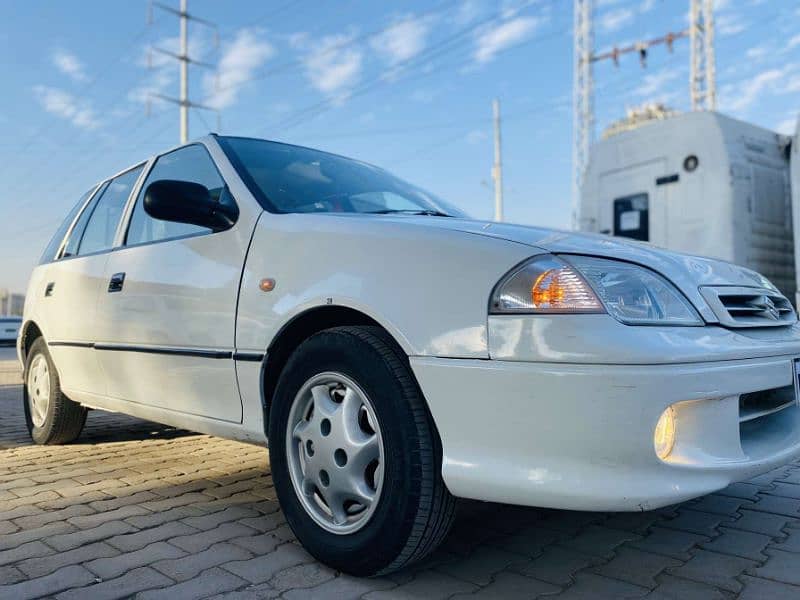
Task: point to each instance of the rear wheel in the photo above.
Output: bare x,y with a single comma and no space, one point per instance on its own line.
355,457
51,417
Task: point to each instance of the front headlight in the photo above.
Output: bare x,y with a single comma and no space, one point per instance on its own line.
635,295
544,284
631,294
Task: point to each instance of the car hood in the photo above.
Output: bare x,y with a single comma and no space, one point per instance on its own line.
686,271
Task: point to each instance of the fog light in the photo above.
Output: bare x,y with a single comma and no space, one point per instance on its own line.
664,435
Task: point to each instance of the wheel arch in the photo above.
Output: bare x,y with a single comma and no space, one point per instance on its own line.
298,329
30,333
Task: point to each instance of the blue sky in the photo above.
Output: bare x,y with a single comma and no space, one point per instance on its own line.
405,85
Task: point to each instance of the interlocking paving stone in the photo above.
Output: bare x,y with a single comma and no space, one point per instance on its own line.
695,521
196,542
134,541
263,568
181,569
125,586
67,541
479,567
676,588
740,543
37,567
208,583
669,542
343,587
589,586
780,566
722,505
108,568
13,540
9,575
637,567
63,579
778,505
301,576
762,522
756,588
428,585
510,586
146,505
712,568
556,565
600,541
792,541
31,549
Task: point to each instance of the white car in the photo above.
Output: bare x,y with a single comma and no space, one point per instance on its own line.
9,329
397,355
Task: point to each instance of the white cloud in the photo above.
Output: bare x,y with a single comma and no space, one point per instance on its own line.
729,24
496,39
741,96
787,126
647,5
239,60
467,12
758,52
794,41
615,19
334,65
403,40
477,136
68,107
70,65
656,85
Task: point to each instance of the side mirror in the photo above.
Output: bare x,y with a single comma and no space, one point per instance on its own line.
190,203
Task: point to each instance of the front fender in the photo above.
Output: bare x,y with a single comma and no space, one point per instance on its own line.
428,287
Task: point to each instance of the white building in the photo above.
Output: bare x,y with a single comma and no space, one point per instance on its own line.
697,182
11,304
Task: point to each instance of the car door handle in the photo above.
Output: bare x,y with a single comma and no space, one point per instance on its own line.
48,290
116,283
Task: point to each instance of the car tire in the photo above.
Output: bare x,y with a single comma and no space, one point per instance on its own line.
411,510
51,417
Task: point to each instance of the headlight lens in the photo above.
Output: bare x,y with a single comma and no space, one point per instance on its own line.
635,295
545,284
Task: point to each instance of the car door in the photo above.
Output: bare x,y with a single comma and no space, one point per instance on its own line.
167,320
73,281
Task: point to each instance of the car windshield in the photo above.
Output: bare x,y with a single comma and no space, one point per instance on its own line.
293,179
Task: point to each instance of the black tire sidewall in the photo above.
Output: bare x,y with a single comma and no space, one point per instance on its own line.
43,434
381,540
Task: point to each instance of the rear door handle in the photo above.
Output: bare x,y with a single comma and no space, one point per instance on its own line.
48,290
116,283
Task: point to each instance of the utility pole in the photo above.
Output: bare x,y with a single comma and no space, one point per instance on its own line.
582,98
497,168
183,58
702,79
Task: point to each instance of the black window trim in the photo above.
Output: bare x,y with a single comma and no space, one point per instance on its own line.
128,217
143,165
95,193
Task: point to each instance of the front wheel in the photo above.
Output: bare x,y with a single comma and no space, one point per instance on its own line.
355,457
51,417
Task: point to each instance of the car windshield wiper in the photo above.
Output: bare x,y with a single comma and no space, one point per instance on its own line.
409,211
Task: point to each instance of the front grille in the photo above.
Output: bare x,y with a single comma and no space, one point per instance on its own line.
749,307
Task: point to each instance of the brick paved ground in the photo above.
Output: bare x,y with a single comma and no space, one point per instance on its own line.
137,509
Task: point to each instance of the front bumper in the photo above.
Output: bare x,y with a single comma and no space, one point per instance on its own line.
580,436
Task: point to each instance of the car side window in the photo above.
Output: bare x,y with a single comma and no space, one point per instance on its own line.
191,163
53,247
107,212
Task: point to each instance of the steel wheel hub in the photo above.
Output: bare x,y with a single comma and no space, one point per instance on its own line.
335,452
39,389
